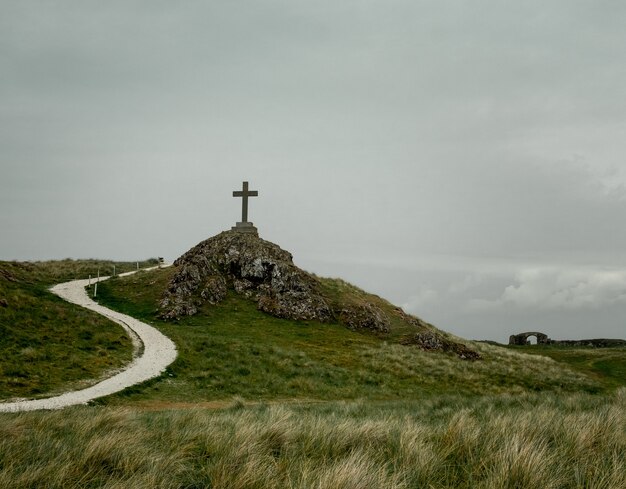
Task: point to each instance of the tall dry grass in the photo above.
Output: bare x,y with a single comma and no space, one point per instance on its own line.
493,442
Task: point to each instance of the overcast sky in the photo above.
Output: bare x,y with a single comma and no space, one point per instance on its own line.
465,160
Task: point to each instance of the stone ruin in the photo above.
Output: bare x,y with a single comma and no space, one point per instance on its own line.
522,338
542,339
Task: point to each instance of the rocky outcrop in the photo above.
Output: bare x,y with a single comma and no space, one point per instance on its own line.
263,272
254,268
432,341
364,316
5,274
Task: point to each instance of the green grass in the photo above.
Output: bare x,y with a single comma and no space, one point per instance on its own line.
232,349
528,441
256,402
608,365
340,294
47,344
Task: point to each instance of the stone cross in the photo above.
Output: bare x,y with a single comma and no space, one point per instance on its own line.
244,225
245,193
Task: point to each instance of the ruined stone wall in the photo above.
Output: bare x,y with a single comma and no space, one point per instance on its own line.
542,339
522,338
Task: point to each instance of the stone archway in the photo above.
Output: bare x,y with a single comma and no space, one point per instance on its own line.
522,338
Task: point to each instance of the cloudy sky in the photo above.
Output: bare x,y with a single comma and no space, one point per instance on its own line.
463,159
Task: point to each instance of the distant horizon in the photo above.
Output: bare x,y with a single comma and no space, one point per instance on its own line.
503,338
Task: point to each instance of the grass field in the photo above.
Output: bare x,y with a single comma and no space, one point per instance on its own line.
607,365
255,402
46,344
537,441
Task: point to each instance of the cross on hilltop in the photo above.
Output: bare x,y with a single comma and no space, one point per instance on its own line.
244,226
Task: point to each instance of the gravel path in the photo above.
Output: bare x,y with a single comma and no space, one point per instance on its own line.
158,352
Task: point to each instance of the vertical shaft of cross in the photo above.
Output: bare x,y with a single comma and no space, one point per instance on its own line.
244,194
244,203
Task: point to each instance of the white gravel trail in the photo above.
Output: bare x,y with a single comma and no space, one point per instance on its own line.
158,352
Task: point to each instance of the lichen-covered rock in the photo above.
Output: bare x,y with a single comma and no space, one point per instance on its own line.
432,341
254,268
5,274
364,316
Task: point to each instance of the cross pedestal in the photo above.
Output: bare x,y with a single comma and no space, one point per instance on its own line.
244,226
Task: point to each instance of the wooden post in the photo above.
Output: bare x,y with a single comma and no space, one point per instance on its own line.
89,281
95,289
114,270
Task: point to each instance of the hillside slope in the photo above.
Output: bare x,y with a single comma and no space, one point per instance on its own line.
262,272
325,405
232,348
46,344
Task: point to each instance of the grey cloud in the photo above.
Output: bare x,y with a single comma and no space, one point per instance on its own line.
550,288
406,145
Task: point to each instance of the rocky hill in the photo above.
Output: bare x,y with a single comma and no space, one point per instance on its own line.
254,268
265,273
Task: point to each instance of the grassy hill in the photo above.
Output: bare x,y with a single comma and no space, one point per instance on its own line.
232,349
606,365
46,344
254,401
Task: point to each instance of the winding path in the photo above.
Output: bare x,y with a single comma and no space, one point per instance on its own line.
158,352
